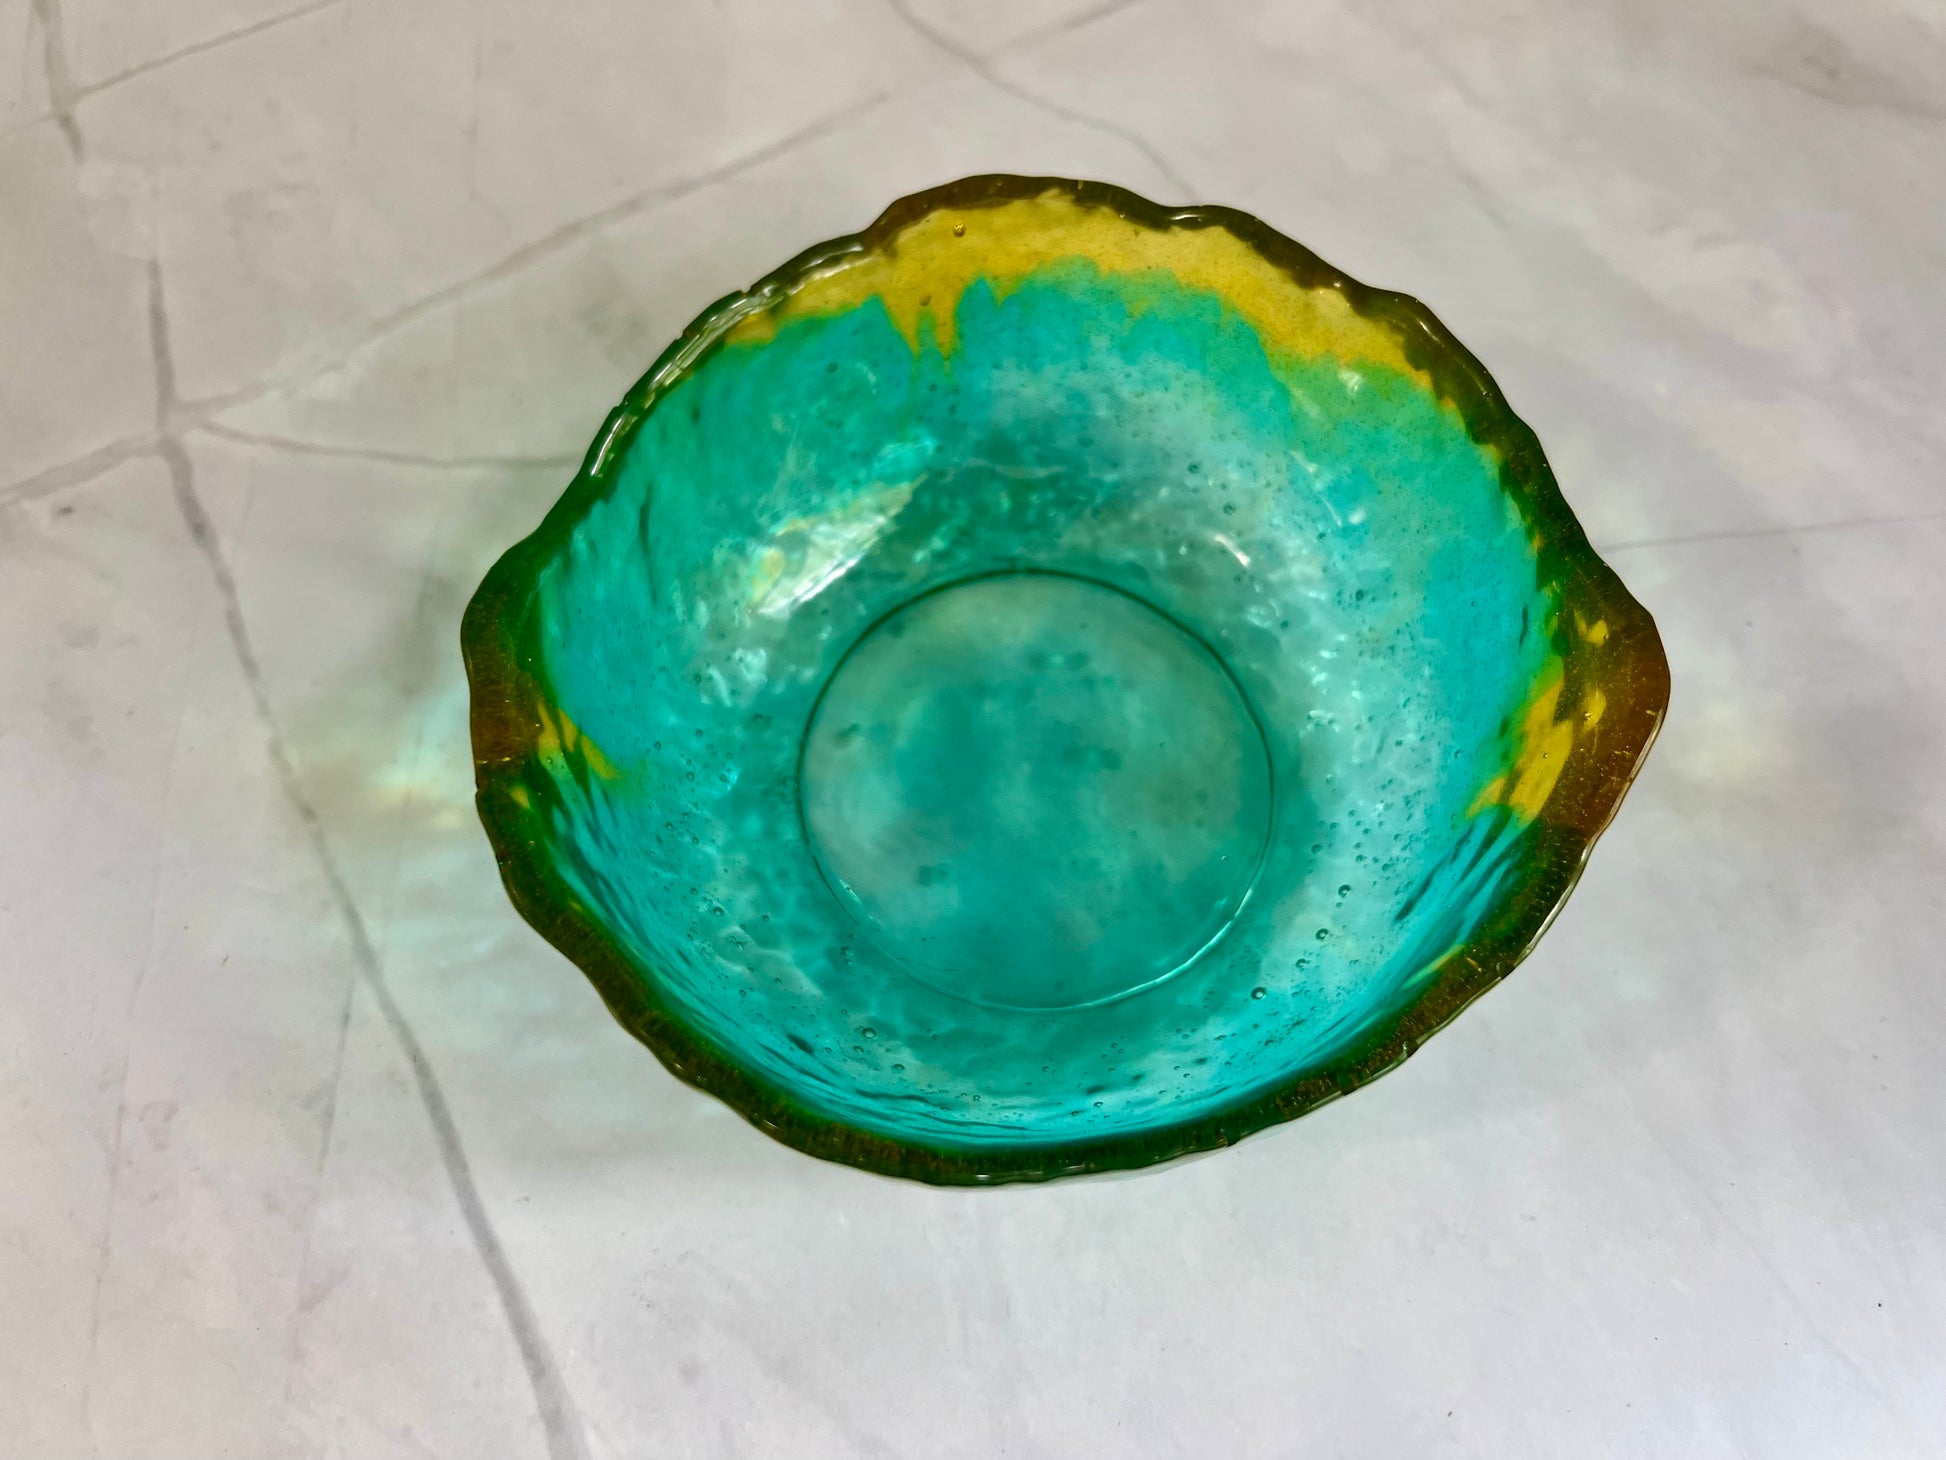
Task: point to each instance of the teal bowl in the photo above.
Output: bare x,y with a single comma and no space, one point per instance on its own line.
1049,684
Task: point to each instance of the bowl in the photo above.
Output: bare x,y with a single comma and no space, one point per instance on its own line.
1052,683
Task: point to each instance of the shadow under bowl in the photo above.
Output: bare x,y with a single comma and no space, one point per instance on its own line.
1050,683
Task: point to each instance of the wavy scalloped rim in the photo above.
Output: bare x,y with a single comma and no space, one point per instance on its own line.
1626,663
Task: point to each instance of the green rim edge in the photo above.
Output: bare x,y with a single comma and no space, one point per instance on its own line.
1629,666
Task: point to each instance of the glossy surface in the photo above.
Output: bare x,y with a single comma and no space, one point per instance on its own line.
1051,684
1035,792
1667,1191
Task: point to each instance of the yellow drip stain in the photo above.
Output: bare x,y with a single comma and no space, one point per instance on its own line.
923,271
560,738
1546,741
1491,794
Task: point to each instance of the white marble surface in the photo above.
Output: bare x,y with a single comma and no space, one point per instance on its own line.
309,1148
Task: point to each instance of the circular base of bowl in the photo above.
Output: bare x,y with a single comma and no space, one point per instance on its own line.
1035,791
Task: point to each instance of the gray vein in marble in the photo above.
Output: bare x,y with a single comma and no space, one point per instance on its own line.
388,458
1483,193
568,234
181,417
80,469
597,222
1079,21
112,1198
211,43
983,68
61,94
557,1416
1540,228
1739,534
473,102
1719,286
1818,64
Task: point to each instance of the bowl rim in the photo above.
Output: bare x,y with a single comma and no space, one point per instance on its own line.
1555,846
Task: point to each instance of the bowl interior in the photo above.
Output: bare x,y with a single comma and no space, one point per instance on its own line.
1038,677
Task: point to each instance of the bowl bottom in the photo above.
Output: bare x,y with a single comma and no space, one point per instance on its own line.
1035,791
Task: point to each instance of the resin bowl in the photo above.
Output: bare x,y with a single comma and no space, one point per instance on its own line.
1052,683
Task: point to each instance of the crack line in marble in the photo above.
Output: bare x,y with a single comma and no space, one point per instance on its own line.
61,93
1900,107
111,1200
78,469
591,224
511,264
307,1299
196,48
473,102
1021,44
297,447
1407,41
983,68
558,1420
1508,136
1736,534
182,417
